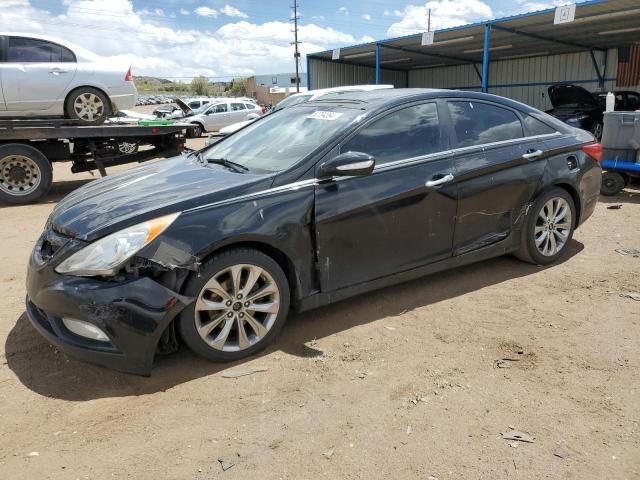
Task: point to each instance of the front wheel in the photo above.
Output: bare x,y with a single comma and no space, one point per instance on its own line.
195,131
596,129
548,228
242,301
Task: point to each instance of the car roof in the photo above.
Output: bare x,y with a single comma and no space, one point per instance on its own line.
375,99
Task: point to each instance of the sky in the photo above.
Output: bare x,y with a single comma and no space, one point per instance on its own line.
180,39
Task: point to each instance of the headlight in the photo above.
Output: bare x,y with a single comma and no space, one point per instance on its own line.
105,255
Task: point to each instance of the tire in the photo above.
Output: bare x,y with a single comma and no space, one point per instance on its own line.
612,183
25,174
545,229
596,130
195,131
218,309
88,106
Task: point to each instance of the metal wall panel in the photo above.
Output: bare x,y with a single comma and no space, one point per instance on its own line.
335,74
525,79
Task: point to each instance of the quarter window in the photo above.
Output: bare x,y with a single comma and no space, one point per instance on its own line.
407,133
536,127
237,106
477,123
250,107
31,50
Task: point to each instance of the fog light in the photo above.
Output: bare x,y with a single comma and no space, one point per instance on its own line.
85,329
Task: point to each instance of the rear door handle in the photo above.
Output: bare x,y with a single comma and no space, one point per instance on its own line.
532,154
440,181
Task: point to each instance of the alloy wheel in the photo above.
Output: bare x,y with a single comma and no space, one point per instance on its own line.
553,226
88,107
19,175
237,307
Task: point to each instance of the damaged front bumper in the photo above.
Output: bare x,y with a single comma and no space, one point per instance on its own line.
133,314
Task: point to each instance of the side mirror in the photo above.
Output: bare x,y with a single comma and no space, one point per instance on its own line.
348,164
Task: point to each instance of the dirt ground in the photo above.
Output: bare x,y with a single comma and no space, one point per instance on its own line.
415,381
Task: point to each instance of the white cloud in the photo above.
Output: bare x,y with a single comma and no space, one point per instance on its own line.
365,16
153,47
184,11
444,14
206,12
343,11
317,17
230,11
387,13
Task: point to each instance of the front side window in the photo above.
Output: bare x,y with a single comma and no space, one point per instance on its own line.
237,106
31,50
406,133
477,123
221,108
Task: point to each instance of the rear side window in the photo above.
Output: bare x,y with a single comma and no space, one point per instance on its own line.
237,106
219,108
478,123
31,50
536,127
407,133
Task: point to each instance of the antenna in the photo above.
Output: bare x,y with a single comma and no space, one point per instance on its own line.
296,54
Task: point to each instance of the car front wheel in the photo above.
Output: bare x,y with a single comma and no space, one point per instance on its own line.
242,301
548,228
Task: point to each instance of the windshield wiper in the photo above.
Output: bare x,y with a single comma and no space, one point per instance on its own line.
236,167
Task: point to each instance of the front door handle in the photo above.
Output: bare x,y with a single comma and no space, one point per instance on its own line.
532,154
58,71
440,181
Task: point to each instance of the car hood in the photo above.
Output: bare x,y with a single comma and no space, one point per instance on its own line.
115,202
561,95
185,108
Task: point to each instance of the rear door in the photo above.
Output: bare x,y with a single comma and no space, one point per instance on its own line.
36,74
390,221
499,165
238,112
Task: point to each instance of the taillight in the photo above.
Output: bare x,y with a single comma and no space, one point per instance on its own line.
129,76
264,110
594,150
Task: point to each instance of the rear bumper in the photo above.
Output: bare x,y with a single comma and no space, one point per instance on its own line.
133,314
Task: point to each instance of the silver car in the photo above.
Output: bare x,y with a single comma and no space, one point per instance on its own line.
42,76
219,114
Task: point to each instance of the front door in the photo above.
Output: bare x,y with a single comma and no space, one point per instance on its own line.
499,165
400,217
36,74
216,117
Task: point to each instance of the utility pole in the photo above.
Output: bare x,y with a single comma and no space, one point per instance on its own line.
296,55
429,22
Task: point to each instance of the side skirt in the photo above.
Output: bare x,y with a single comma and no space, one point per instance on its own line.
508,245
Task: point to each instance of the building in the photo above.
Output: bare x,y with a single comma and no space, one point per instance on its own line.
517,57
270,89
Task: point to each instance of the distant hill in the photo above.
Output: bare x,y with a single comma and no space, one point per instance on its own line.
147,84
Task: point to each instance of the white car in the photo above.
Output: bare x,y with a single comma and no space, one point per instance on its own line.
302,97
218,114
41,76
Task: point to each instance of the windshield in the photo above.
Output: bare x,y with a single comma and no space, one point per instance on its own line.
292,100
282,139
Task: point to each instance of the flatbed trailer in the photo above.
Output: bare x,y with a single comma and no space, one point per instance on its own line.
28,149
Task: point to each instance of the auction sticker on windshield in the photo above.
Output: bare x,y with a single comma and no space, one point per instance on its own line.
323,115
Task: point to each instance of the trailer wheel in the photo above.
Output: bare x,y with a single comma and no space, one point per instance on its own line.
25,173
612,183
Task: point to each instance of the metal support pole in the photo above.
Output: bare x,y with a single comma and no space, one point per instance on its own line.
308,73
604,67
485,58
377,64
595,66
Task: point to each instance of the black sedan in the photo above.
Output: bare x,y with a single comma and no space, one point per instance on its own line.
302,208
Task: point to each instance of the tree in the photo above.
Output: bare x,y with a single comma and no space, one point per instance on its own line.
200,85
238,88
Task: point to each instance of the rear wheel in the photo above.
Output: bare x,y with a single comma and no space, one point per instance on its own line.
548,228
87,105
25,173
612,183
242,301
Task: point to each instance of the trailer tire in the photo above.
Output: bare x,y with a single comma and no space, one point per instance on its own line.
612,183
25,173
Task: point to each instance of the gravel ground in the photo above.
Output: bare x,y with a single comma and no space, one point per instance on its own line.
407,382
